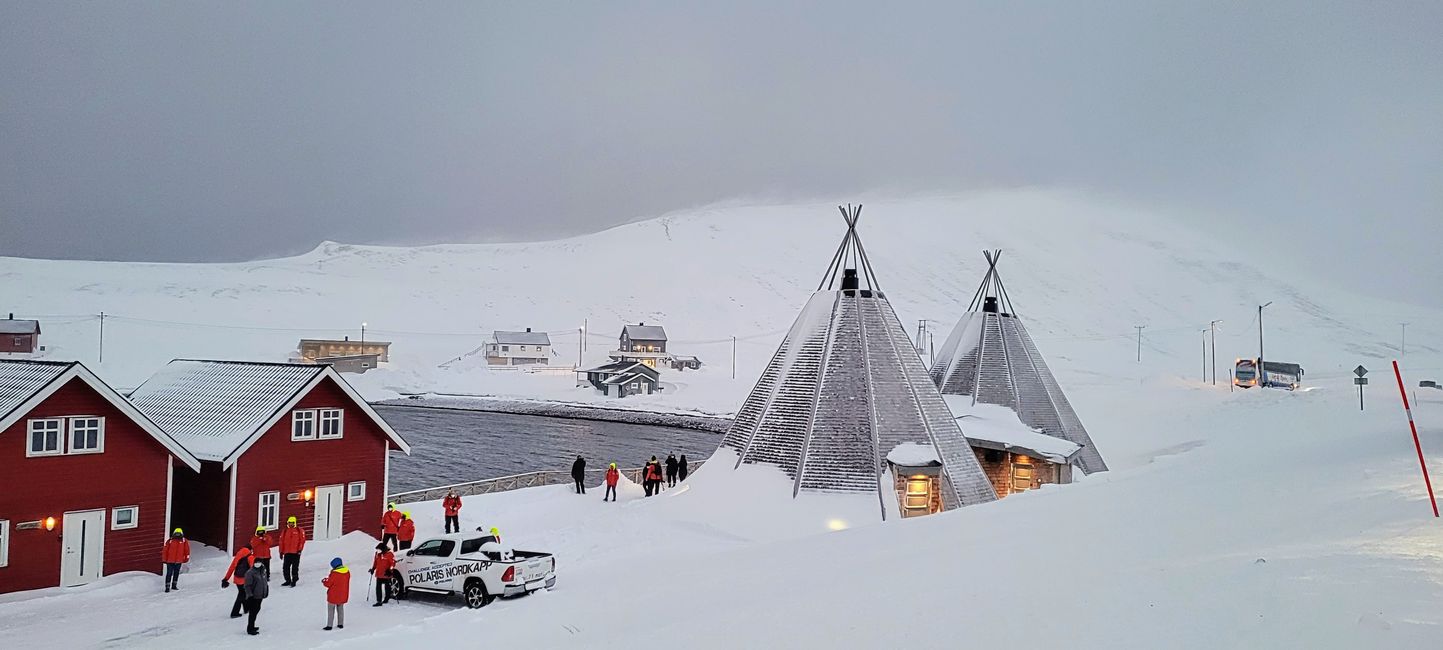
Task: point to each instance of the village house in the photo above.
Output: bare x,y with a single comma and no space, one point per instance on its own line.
508,348
623,378
646,344
322,350
87,478
274,440
19,336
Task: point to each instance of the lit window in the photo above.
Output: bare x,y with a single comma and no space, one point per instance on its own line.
303,425
124,517
919,493
330,423
1021,476
87,435
356,491
270,510
45,437
4,542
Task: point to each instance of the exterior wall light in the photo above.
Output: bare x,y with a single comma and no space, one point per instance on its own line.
49,523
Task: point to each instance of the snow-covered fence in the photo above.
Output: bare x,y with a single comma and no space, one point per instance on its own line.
517,482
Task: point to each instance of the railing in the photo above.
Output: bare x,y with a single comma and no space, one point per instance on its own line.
517,482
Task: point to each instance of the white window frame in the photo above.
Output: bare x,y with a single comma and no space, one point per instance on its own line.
322,415
99,435
115,517
303,415
4,542
59,437
351,488
275,508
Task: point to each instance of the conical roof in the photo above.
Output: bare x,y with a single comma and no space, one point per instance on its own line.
844,389
990,357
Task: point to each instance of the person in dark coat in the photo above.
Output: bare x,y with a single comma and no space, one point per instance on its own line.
578,474
240,565
671,467
681,468
257,588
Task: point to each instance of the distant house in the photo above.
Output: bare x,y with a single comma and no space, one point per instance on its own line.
623,378
646,344
318,350
509,348
19,336
351,363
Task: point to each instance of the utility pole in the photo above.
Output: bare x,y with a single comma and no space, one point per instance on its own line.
1262,369
363,337
734,357
585,329
102,337
580,338
1213,326
1139,341
1205,356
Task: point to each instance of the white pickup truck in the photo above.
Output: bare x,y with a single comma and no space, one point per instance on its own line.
473,565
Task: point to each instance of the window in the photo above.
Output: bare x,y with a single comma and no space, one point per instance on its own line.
270,511
45,437
356,491
1021,476
87,435
330,423
124,517
4,542
18,341
919,493
303,425
435,548
505,348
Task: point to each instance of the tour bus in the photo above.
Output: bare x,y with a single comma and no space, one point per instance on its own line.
1276,374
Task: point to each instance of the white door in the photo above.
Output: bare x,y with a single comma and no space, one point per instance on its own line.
330,500
82,536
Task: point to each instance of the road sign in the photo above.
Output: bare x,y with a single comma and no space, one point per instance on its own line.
1361,381
1360,370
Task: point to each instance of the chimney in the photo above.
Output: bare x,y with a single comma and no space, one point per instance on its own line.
989,305
849,279
345,338
641,324
528,329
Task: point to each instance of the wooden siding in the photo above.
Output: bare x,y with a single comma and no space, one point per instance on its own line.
278,464
17,343
130,472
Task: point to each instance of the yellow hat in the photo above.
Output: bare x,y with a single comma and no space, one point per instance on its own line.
406,515
495,531
291,519
177,532
613,465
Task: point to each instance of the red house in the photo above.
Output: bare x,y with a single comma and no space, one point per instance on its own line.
275,440
86,478
19,336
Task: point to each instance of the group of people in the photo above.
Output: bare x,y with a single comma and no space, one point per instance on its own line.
655,476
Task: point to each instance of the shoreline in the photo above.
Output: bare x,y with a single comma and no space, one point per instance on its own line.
696,422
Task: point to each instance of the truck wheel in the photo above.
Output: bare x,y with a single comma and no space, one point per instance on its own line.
398,588
475,593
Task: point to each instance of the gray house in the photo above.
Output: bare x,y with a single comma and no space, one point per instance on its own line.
508,348
646,344
623,378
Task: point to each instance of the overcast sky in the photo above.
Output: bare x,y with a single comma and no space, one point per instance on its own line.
228,131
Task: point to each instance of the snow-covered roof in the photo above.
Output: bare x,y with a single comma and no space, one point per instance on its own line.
645,332
620,367
25,384
911,454
628,376
505,337
19,326
217,409
997,427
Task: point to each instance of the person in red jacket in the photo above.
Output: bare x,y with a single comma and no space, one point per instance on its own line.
338,593
612,476
293,541
406,532
261,548
452,504
381,568
175,553
236,572
390,526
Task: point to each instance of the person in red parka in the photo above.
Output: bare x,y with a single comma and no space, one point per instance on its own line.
293,541
390,526
338,593
452,504
236,572
612,476
261,548
175,553
406,532
381,567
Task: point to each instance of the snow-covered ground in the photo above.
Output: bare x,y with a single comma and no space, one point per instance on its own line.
1231,519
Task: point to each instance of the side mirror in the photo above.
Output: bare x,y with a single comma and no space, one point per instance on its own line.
410,553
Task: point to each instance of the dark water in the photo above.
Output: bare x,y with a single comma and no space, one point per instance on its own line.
451,446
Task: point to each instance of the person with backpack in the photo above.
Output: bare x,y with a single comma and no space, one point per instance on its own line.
406,532
175,553
240,565
612,477
338,593
452,504
390,526
261,548
257,588
381,568
681,468
578,474
293,541
671,467
652,477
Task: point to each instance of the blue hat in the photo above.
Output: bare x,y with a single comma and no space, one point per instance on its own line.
336,563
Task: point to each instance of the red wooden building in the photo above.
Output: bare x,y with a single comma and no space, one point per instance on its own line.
275,440
19,336
85,484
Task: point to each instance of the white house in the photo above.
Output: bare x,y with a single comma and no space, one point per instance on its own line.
518,348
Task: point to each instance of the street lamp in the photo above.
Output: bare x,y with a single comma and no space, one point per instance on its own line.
1213,327
363,337
1262,369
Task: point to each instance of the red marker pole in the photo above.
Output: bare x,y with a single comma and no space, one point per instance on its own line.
1416,445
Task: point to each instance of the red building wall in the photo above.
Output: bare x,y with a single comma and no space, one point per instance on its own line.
17,343
130,472
278,464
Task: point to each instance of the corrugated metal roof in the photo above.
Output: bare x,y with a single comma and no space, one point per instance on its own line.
521,338
19,326
21,379
645,332
213,407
